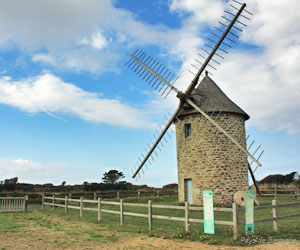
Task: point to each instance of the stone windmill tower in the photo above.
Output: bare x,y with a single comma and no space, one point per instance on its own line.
206,158
210,130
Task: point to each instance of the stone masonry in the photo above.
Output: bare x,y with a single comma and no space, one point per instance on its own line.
209,158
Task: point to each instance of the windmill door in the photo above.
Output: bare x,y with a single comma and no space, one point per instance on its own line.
188,190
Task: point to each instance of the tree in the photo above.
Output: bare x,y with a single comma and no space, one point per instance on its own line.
10,184
297,177
281,179
289,178
170,186
112,176
86,186
63,183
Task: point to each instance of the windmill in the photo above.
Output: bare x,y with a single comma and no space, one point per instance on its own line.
210,130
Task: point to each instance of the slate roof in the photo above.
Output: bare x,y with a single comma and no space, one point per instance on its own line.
211,98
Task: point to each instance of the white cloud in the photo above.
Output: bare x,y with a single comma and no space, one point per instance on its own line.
58,28
91,35
48,93
98,41
29,171
44,58
203,11
264,81
49,24
90,31
81,60
74,34
265,93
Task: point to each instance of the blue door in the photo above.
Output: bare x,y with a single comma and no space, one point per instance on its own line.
188,190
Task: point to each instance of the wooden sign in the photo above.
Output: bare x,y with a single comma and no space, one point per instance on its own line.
208,212
249,212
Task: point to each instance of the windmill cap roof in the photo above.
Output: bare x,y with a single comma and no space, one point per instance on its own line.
210,98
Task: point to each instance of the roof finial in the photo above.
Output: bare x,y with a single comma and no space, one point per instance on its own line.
206,73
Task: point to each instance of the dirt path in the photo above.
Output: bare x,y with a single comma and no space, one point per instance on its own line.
10,241
159,243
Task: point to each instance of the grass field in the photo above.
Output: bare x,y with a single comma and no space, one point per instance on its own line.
49,227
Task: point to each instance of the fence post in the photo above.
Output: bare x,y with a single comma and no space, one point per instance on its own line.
235,219
99,209
53,202
139,194
43,200
187,225
150,214
81,207
121,212
25,202
66,204
275,191
275,215
70,195
157,193
118,195
95,196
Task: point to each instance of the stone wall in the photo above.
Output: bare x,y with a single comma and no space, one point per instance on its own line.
210,159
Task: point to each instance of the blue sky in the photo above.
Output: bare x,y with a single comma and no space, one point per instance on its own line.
71,110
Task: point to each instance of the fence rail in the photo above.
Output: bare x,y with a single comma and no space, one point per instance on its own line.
123,194
275,218
13,203
186,219
295,192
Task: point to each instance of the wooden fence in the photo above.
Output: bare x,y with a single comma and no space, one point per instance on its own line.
186,219
275,218
123,194
295,192
13,203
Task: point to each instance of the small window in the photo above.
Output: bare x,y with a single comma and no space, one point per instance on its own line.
188,130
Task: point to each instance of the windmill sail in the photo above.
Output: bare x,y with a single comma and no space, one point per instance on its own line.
157,75
214,50
155,144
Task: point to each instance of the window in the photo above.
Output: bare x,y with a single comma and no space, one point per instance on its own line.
188,130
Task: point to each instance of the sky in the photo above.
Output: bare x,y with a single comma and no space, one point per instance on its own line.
71,110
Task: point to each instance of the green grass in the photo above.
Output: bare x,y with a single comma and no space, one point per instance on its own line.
72,227
288,228
54,229
7,224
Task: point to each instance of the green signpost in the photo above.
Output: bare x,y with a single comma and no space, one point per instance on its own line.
249,212
208,212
